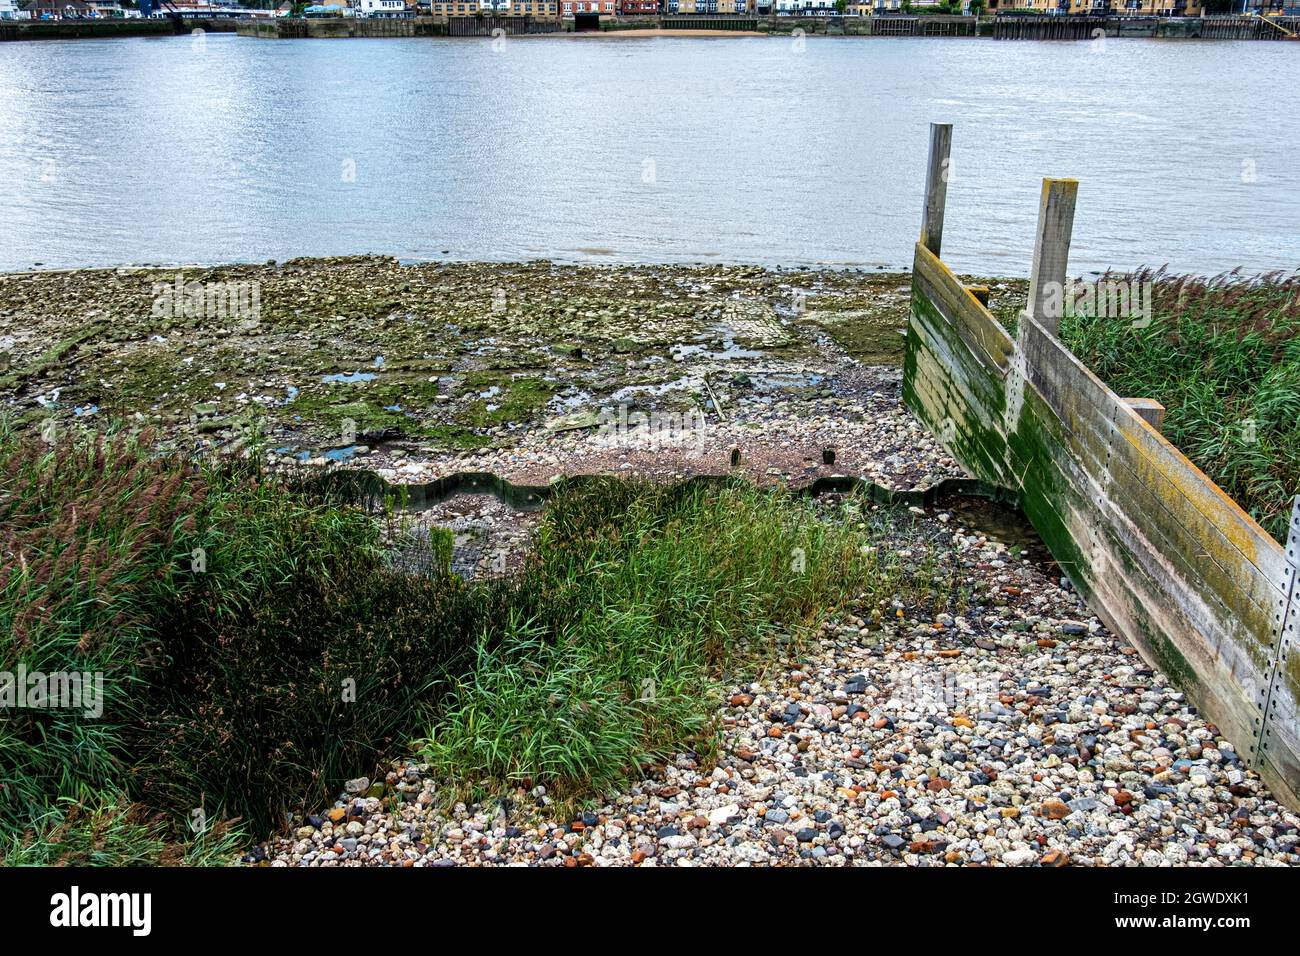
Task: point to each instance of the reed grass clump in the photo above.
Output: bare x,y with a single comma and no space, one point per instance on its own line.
252,648
106,829
1223,356
647,595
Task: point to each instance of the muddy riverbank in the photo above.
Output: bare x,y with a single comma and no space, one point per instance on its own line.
530,370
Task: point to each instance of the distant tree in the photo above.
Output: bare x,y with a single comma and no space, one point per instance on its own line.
841,6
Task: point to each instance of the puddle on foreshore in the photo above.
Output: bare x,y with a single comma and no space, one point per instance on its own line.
687,383
342,454
570,400
780,381
725,350
348,377
1001,523
345,453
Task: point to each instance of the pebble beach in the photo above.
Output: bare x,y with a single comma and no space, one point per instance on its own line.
1019,732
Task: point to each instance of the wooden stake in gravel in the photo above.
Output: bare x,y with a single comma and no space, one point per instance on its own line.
717,406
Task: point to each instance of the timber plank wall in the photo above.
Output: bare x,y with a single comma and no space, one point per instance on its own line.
1162,555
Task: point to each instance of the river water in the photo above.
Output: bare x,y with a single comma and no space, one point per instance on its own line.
753,150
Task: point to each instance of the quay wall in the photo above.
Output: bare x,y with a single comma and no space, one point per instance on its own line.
1002,28
109,29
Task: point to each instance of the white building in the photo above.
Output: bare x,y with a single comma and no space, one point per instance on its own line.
805,8
381,8
8,9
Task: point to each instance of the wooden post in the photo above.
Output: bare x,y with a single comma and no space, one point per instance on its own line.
1293,540
936,186
1149,410
1051,252
981,293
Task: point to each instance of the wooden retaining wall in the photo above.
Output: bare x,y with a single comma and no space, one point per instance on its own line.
1163,556
697,22
1248,28
1050,28
509,26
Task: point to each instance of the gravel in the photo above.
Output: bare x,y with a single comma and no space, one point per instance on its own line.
1018,733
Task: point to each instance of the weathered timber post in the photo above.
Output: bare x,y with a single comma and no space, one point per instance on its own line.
936,186
1051,252
1149,410
1293,542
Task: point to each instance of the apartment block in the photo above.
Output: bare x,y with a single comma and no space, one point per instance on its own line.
1134,8
454,8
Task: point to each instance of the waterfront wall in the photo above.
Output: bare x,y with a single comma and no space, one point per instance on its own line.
1085,28
1163,556
1005,28
108,29
290,28
1008,28
810,26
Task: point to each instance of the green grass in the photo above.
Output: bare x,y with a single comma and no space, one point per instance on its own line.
108,830
89,531
1223,356
246,687
515,399
223,680
648,596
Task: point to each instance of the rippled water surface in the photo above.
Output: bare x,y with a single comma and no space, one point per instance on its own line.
736,150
